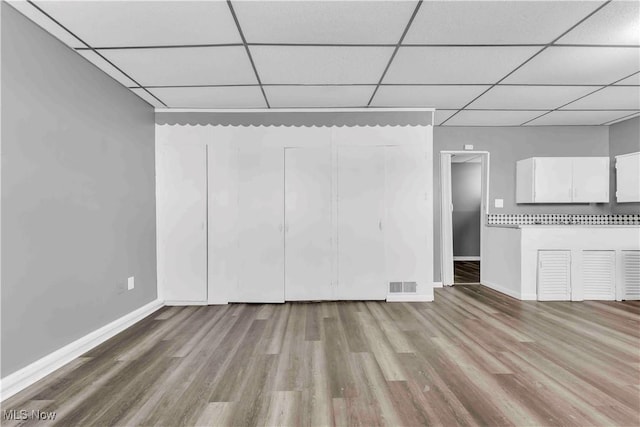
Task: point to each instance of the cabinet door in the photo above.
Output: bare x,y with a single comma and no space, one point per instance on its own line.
307,181
591,180
260,224
552,180
182,219
554,275
628,178
598,275
361,187
631,275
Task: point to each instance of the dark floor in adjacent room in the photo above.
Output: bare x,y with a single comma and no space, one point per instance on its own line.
466,272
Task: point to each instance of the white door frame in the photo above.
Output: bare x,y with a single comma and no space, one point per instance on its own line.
446,208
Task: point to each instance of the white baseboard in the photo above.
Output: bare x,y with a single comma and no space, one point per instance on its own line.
501,289
22,378
437,284
466,258
399,297
182,303
510,292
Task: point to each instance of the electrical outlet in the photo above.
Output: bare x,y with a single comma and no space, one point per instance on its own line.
499,203
468,147
130,283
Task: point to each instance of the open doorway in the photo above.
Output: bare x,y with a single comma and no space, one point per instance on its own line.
466,197
463,210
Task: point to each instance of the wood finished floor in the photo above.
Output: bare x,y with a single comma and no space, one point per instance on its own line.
466,272
472,357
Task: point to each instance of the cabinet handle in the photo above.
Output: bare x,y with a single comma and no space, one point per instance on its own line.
280,228
380,225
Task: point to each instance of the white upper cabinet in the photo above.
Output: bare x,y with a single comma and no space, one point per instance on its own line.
590,180
628,178
562,180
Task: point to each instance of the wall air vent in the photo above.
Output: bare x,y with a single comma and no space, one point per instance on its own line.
395,287
403,287
409,287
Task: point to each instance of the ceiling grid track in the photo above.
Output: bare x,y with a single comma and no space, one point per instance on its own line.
528,60
94,50
598,110
246,47
583,96
395,51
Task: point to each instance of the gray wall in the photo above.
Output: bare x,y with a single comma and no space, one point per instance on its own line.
78,195
507,145
624,137
466,193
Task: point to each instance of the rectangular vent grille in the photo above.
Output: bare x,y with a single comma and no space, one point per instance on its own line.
598,269
395,287
403,287
631,274
554,275
409,287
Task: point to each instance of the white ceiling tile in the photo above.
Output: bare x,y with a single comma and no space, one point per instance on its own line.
529,97
578,65
150,99
368,22
560,118
320,64
631,80
185,66
495,22
455,65
616,23
439,97
106,67
146,23
211,97
47,24
442,115
624,118
318,96
610,98
491,118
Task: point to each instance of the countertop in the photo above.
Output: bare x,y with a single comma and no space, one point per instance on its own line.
563,226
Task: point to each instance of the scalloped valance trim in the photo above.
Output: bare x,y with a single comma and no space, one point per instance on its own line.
296,119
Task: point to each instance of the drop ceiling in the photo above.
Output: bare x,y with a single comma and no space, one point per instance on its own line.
479,63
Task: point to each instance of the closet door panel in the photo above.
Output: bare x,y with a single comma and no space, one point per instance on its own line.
260,224
361,257
223,220
307,224
406,218
181,215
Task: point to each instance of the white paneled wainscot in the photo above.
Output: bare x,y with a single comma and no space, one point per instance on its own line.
563,262
294,213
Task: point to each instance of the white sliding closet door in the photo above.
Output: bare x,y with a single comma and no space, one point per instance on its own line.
405,231
307,181
182,222
361,195
260,224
